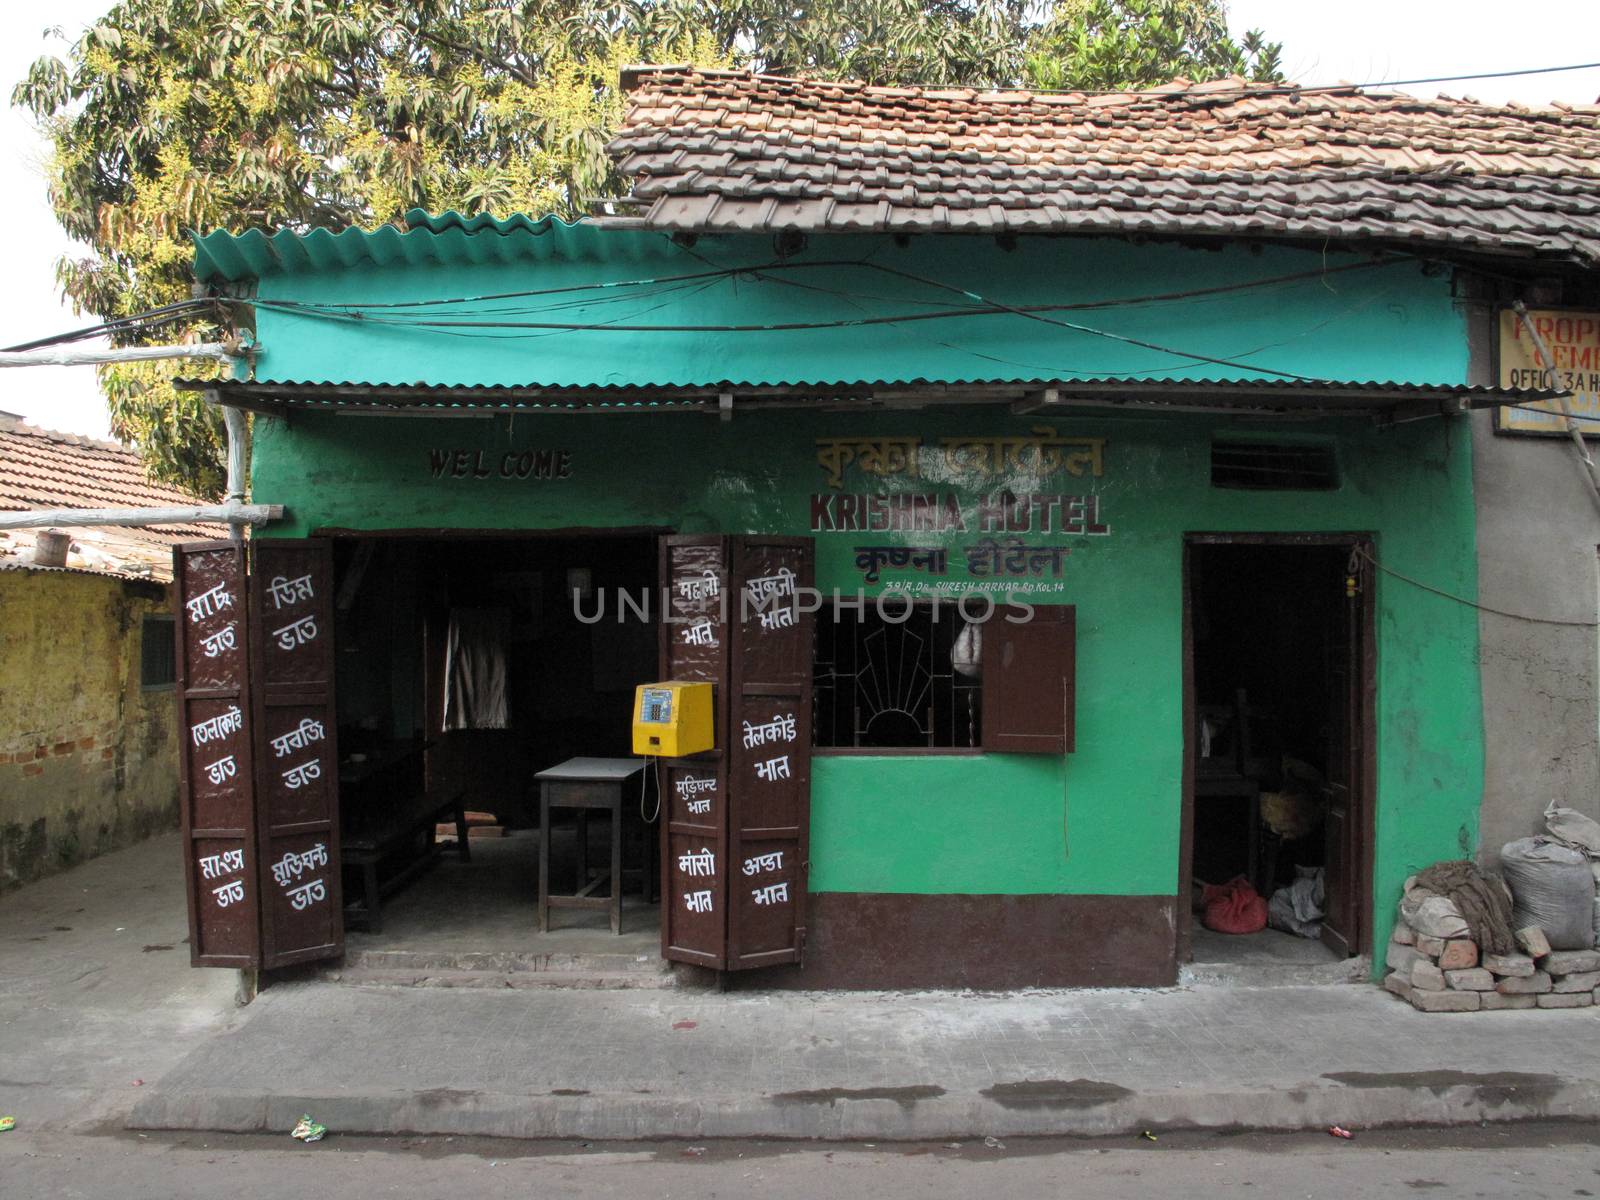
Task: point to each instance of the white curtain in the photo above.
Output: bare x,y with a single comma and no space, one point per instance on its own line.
475,669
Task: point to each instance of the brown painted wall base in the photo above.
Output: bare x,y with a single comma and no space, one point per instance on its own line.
860,940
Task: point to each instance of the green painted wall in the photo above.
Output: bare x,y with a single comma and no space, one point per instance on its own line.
1105,820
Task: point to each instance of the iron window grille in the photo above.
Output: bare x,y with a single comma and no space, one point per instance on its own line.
883,682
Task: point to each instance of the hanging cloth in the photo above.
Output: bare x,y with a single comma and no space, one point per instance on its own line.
475,668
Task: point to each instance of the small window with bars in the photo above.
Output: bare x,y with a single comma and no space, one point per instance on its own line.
906,676
897,676
1274,466
157,654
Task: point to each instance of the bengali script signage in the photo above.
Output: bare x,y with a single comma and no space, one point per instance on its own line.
1001,492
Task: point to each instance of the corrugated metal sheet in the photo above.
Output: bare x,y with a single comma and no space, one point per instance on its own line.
156,580
1263,395
447,238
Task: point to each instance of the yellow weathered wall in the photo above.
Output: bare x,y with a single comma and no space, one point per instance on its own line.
88,760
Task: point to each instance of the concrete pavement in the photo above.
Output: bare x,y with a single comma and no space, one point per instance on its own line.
95,987
645,1065
102,1021
1528,1162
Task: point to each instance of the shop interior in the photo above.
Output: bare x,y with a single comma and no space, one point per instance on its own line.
463,671
1272,674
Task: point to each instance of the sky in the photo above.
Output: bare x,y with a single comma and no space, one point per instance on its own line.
1360,41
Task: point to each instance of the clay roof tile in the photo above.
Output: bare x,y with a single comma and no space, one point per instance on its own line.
1250,158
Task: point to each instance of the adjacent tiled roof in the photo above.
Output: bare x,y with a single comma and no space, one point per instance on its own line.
710,150
44,469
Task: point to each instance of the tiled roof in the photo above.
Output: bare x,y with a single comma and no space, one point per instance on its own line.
711,150
44,469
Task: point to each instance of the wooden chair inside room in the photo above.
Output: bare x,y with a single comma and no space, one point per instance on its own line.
1227,767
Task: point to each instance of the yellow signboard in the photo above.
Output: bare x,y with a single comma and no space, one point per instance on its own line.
1573,340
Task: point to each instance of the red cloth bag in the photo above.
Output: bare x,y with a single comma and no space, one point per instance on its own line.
1233,907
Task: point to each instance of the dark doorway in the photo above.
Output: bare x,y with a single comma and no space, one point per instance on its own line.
463,670
1278,682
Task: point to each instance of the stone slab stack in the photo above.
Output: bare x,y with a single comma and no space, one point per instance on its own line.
1449,975
1594,866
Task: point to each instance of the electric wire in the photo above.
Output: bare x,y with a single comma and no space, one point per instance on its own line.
757,269
1488,608
1117,337
1207,293
1268,89
783,327
596,327
165,314
1476,75
987,306
1550,412
665,285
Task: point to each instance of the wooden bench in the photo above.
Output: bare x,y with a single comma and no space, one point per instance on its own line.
376,837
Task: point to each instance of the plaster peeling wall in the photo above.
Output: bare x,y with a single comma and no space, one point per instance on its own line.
1538,533
88,761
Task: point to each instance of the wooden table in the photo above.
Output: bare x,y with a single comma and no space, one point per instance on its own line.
585,784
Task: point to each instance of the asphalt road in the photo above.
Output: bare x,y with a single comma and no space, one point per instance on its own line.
1545,1160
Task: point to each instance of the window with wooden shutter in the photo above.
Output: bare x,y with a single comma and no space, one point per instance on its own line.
1029,691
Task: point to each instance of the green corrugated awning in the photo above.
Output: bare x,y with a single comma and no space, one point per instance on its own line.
431,239
467,302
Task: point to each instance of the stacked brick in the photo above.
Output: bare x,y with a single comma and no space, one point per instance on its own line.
1449,975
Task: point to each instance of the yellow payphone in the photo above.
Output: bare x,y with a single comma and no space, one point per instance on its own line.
672,719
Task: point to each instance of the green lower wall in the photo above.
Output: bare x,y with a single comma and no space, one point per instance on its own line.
995,824
1105,820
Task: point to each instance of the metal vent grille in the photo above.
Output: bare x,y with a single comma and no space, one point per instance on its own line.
1274,466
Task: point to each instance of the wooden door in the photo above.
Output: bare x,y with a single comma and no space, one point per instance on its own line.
296,751
258,771
735,839
1344,822
770,751
694,790
216,780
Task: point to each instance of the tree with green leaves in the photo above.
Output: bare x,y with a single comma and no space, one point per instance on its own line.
174,116
1108,45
